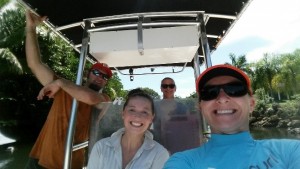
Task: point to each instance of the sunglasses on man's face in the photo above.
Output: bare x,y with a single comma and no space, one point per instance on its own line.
100,74
171,86
234,89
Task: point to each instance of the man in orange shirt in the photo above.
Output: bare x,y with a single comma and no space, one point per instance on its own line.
48,150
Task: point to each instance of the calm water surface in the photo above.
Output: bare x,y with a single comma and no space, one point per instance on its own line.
267,133
16,159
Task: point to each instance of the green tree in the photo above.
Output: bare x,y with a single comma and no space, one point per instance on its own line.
289,70
3,3
278,84
193,95
240,62
9,63
264,71
152,93
12,32
114,87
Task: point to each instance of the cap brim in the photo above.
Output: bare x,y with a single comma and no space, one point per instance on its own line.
106,69
221,70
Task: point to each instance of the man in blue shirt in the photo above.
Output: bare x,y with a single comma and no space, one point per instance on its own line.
226,101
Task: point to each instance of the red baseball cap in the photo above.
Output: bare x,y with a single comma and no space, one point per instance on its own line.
222,70
104,67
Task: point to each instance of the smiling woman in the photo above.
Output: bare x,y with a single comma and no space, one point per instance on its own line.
133,145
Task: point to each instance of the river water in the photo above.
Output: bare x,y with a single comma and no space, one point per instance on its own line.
17,158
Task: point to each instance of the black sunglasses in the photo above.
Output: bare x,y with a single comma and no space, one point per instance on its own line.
98,73
171,86
234,89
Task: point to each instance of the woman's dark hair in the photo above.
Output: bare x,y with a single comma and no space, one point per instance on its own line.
139,93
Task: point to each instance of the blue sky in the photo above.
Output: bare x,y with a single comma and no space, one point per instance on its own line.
267,26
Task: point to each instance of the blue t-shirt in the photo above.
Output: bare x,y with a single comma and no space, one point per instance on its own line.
239,151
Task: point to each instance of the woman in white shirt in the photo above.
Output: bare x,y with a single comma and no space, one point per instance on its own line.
131,147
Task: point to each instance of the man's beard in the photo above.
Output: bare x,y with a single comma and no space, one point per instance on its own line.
95,87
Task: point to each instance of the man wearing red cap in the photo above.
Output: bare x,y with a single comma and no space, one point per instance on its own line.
48,150
226,101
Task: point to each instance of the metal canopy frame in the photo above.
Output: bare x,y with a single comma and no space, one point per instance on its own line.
66,18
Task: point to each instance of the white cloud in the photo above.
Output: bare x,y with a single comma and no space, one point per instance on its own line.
269,19
185,84
274,21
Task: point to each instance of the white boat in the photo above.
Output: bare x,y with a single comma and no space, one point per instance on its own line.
129,35
5,140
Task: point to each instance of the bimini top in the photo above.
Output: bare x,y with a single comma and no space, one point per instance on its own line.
67,17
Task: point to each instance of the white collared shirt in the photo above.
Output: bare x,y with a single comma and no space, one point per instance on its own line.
107,154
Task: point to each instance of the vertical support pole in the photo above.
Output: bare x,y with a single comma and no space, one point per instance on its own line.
204,41
207,59
72,121
202,125
196,65
140,35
